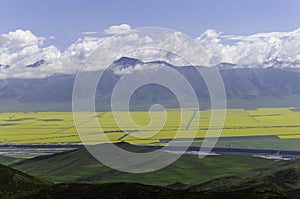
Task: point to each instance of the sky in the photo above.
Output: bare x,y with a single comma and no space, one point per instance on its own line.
66,20
62,34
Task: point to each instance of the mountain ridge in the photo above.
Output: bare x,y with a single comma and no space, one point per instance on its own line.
245,88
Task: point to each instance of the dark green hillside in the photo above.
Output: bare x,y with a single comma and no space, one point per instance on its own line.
80,166
214,177
14,183
17,185
6,160
137,191
284,179
108,191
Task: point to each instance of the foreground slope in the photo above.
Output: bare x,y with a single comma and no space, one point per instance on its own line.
14,184
285,178
137,191
21,186
190,177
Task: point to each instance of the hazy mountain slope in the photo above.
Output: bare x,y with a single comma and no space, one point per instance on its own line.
253,83
56,88
245,87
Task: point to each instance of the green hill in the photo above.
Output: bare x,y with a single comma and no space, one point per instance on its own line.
109,191
137,191
6,160
17,185
14,184
283,180
80,166
213,177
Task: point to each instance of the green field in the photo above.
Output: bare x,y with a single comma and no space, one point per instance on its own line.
277,128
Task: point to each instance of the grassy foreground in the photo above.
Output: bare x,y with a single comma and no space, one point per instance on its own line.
80,166
190,177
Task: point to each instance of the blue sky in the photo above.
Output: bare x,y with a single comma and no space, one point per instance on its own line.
67,19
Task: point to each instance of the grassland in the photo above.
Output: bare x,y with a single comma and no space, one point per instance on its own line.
242,128
79,166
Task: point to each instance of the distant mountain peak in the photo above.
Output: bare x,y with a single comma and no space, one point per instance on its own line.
226,65
37,64
279,63
125,62
4,66
160,62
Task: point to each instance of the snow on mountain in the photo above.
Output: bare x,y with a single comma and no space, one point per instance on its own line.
37,64
129,65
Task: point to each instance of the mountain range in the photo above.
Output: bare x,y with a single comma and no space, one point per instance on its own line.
246,87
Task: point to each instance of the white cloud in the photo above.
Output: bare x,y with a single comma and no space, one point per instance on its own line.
21,47
89,33
20,38
118,29
256,49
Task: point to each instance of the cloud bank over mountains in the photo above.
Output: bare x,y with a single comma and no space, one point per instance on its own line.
24,55
254,49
